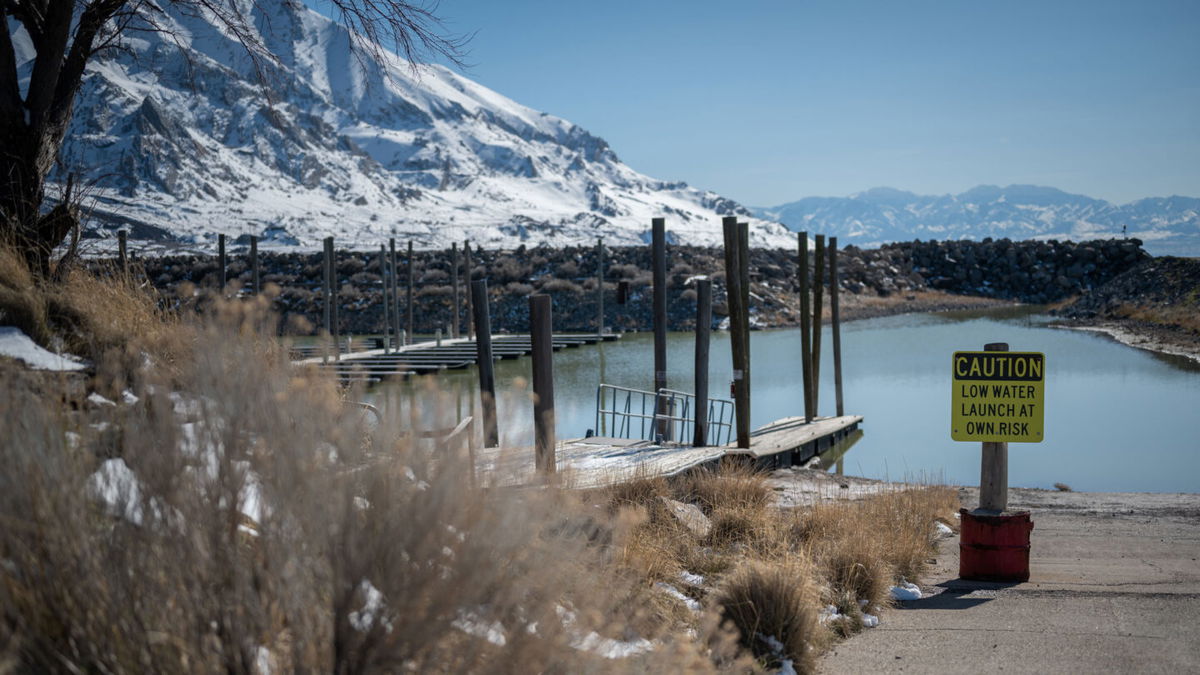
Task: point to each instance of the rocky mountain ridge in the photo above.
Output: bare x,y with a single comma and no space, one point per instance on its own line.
181,136
1167,225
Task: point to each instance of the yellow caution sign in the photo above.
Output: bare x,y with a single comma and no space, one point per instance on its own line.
998,397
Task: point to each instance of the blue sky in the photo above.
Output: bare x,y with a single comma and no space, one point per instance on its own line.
767,102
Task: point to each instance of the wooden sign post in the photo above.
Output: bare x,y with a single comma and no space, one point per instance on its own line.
998,397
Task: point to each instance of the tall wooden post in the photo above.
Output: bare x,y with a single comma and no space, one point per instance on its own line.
123,252
409,302
733,292
327,292
483,353
454,282
835,325
744,270
541,336
222,263
468,268
993,469
254,276
385,295
394,298
659,261
703,331
599,288
805,330
333,291
818,293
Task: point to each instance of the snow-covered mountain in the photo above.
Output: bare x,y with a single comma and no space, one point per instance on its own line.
1167,225
181,137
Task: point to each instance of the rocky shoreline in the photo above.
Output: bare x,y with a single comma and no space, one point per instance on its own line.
898,278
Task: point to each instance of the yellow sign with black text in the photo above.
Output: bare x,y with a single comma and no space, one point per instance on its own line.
998,397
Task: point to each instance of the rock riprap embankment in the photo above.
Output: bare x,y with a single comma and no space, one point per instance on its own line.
1025,271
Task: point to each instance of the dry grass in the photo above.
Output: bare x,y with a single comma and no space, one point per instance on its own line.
103,318
769,571
240,515
1184,317
774,606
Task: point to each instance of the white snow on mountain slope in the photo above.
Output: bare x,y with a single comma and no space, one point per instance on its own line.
175,132
1167,225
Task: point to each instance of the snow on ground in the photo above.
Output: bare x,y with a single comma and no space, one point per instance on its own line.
14,343
678,595
906,591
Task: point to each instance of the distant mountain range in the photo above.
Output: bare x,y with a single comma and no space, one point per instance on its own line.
1167,225
180,139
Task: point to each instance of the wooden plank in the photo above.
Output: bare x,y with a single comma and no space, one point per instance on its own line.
791,433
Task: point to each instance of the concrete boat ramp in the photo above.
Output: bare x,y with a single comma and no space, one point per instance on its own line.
598,461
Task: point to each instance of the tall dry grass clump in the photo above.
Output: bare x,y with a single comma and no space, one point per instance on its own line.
239,516
774,606
108,318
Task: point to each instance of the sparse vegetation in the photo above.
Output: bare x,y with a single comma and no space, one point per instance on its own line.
227,512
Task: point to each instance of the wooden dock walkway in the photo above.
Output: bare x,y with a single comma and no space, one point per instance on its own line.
427,357
586,463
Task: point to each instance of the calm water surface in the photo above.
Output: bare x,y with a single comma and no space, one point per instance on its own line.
1117,418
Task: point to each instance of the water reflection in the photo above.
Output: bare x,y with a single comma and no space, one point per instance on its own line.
1117,418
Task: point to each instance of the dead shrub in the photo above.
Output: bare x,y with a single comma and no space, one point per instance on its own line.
774,606
731,484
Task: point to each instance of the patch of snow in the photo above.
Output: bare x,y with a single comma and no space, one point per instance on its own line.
870,620
99,401
906,591
263,660
597,644
827,614
691,579
670,590
14,343
471,624
364,619
115,484
942,529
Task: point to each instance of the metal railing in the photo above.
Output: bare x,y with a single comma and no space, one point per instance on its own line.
622,412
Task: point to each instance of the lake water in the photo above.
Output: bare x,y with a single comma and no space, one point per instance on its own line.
1117,418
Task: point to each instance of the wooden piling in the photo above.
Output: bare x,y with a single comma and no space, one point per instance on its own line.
600,286
123,252
254,276
395,294
454,282
805,329
733,292
386,299
744,269
326,292
333,290
409,303
222,263
542,339
659,261
818,294
993,469
703,331
835,325
468,268
483,352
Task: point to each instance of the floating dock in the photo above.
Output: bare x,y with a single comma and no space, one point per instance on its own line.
586,463
427,357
